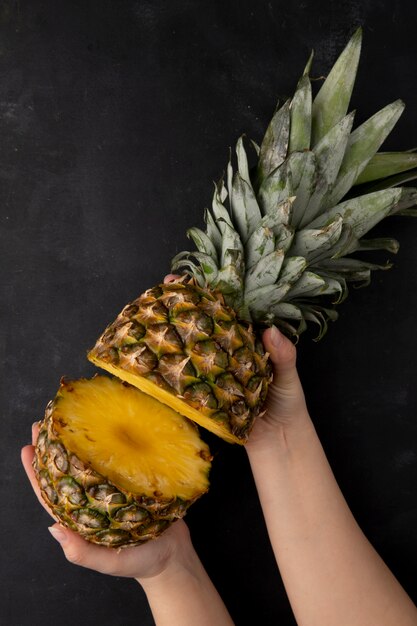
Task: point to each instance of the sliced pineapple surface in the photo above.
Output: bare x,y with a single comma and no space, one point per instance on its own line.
168,399
139,444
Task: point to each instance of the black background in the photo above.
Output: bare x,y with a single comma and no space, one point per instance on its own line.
115,117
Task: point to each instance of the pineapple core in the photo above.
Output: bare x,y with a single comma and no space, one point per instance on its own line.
134,441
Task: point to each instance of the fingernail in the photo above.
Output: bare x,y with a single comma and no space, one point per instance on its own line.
57,534
276,336
35,424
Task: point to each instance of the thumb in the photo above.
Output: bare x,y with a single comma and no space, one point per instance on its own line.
283,355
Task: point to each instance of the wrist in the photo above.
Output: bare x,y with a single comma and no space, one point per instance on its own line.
182,593
281,437
182,563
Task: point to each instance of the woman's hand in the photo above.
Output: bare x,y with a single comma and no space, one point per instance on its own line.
285,408
153,558
178,589
330,571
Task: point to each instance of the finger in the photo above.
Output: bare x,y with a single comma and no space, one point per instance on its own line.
27,454
169,278
81,552
106,560
35,433
283,355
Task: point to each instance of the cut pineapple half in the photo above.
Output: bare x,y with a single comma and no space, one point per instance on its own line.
139,444
116,465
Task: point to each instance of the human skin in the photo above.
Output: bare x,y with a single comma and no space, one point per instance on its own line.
332,574
179,591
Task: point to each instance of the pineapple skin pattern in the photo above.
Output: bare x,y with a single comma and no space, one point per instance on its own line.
277,249
184,340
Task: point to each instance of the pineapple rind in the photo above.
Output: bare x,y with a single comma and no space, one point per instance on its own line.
184,346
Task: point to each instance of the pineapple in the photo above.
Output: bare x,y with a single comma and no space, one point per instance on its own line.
118,462
181,344
116,465
276,250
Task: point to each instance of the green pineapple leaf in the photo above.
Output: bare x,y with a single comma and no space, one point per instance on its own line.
181,262
203,242
212,231
302,166
378,243
242,161
353,270
275,143
332,101
309,284
230,242
407,199
361,213
259,244
265,271
300,116
220,212
287,310
276,188
320,315
385,164
362,146
309,63
390,181
292,269
245,209
310,242
329,153
263,299
208,266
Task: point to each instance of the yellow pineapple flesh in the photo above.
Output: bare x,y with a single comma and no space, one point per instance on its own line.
115,464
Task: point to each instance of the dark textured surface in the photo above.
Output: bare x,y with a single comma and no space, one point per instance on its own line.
114,119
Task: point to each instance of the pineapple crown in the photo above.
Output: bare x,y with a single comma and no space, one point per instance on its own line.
280,252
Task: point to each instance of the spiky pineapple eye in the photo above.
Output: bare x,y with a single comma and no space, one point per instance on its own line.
106,493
